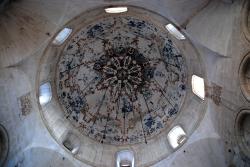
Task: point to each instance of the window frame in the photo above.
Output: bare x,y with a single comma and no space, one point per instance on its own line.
46,93
125,156
173,137
173,30
62,36
196,88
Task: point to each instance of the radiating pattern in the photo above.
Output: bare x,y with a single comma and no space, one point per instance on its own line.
121,80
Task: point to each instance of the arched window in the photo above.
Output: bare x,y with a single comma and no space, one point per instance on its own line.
45,93
175,32
119,9
176,136
198,86
125,158
62,36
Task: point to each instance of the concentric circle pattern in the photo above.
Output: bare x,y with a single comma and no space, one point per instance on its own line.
121,80
124,71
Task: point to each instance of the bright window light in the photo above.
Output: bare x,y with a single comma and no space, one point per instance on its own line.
116,10
176,136
198,86
125,158
45,93
62,36
175,32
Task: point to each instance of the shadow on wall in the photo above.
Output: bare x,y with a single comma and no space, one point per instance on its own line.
40,157
245,21
3,4
242,125
4,145
244,74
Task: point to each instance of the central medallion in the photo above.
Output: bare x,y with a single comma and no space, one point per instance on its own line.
124,71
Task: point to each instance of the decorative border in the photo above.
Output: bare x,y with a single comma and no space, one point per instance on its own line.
245,150
242,67
245,21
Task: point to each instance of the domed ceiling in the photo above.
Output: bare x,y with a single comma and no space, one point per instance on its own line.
121,80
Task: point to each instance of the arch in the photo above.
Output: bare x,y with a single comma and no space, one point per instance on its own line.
242,124
245,22
4,145
244,76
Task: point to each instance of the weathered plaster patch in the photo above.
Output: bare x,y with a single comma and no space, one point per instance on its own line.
25,104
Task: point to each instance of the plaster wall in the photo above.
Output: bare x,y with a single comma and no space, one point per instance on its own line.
217,20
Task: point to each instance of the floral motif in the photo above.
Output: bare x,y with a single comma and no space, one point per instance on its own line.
122,73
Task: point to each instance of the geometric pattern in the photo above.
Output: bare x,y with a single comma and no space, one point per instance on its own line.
121,80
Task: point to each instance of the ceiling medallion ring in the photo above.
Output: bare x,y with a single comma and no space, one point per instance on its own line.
124,72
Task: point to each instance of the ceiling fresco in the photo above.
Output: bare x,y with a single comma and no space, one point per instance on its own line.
121,80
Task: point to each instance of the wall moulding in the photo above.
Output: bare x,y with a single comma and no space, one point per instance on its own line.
244,76
245,22
242,123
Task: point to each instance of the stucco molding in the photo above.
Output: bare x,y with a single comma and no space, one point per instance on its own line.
240,130
245,21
